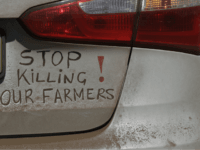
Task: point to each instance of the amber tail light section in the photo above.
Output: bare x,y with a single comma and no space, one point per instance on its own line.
174,24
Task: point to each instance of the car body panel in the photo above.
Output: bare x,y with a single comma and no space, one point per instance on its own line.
2,55
36,97
143,120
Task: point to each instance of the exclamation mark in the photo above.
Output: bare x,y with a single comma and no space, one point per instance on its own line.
101,58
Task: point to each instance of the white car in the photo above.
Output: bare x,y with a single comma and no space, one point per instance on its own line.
100,74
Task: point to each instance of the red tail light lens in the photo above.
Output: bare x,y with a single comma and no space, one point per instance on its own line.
171,23
94,21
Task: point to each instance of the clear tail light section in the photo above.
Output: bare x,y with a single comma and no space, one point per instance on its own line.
171,24
101,21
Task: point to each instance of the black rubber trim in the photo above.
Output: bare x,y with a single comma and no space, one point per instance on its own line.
3,37
136,22
135,29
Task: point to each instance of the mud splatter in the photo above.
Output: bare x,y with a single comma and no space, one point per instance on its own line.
170,143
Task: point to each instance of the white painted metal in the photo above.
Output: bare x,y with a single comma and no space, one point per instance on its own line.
39,114
158,109
160,101
15,8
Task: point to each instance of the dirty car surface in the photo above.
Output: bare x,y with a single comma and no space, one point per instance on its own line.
99,74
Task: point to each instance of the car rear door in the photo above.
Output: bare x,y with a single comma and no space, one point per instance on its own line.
65,64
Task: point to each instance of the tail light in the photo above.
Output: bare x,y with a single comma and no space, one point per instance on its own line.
166,24
106,21
170,23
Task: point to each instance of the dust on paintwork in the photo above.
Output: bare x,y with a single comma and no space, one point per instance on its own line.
170,144
125,136
149,135
40,82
